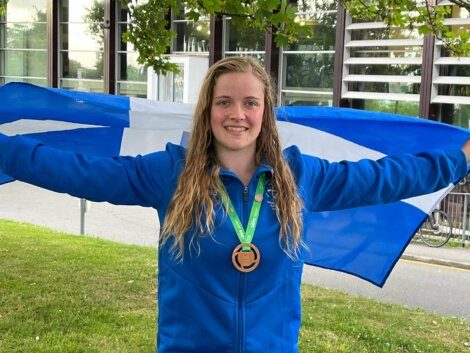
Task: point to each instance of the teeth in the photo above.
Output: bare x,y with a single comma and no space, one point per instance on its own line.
237,129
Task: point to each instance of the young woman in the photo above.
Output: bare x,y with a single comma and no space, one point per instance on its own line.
231,209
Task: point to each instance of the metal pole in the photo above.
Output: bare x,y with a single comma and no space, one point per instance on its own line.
464,225
82,216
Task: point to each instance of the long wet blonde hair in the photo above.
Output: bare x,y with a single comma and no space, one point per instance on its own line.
192,205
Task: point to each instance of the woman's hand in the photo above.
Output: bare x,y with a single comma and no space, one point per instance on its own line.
466,149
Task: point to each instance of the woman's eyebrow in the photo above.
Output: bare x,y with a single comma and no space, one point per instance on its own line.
228,97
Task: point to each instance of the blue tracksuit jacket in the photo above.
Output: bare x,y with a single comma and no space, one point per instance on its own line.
205,305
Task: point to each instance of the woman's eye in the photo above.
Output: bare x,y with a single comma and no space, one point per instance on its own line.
223,103
252,104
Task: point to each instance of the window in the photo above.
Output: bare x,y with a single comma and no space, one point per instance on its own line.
240,41
451,79
382,64
191,37
131,77
23,42
389,106
171,86
455,114
307,66
81,45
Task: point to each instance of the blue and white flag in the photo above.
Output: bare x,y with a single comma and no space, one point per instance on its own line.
364,241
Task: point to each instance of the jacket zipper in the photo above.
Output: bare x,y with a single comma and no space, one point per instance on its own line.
241,286
245,198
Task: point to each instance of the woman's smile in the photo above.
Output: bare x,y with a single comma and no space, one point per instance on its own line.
236,130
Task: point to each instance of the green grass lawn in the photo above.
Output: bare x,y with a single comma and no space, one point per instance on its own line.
62,293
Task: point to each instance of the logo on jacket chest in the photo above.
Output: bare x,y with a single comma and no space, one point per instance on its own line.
270,196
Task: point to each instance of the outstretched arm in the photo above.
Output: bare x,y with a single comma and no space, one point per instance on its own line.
137,180
334,186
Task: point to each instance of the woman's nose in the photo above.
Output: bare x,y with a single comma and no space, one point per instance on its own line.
236,112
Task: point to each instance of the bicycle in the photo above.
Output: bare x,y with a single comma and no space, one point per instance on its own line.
436,229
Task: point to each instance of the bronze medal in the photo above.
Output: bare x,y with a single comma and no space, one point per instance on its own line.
245,260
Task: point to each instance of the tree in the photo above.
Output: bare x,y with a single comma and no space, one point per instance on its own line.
150,35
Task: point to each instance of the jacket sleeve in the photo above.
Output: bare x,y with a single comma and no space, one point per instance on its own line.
137,180
339,185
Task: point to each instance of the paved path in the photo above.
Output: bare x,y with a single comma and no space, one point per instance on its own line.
450,256
434,288
127,224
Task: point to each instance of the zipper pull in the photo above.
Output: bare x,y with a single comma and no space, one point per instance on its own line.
245,193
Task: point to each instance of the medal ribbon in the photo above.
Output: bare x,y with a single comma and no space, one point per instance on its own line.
245,236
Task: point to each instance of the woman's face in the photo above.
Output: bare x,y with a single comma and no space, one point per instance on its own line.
237,112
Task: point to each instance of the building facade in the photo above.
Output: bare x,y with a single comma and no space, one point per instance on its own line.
77,45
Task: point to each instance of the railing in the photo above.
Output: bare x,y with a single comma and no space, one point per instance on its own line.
457,206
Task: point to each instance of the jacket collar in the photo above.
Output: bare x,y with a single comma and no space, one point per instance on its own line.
260,169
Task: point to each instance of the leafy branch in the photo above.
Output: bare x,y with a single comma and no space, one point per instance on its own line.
3,7
411,15
149,32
